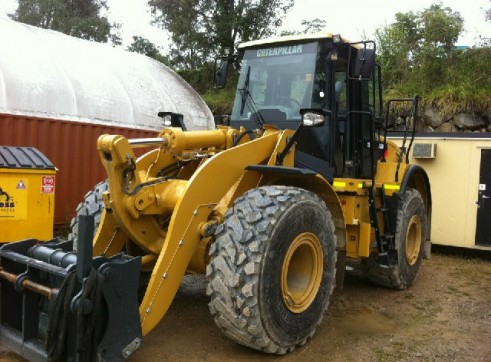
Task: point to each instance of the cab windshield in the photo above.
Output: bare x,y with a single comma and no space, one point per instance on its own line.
281,78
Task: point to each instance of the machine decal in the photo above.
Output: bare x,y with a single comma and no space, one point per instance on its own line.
287,50
13,199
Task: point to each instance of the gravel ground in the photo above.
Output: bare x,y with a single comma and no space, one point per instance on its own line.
444,316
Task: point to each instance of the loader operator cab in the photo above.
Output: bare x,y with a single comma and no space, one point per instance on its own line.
281,79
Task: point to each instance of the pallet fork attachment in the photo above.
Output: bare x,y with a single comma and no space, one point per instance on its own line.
61,306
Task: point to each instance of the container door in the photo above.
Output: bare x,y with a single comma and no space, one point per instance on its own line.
483,228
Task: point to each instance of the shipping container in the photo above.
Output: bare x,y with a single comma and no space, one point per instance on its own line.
71,147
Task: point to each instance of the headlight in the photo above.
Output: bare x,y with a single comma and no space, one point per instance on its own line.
311,118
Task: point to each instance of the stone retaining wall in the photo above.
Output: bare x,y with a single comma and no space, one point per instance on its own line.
435,120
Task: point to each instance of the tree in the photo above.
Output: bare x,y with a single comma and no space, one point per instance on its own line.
313,26
310,26
115,37
440,30
397,44
144,46
485,41
79,18
201,29
419,47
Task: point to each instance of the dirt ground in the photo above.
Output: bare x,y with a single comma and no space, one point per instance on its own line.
444,316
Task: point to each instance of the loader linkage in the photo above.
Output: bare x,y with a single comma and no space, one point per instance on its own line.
65,306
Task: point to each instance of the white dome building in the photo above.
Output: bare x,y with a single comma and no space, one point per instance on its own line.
59,94
49,74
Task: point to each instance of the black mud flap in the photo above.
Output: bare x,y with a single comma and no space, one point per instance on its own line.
59,306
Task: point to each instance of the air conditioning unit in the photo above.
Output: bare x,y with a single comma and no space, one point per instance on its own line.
424,150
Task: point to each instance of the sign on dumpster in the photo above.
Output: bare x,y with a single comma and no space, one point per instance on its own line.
48,185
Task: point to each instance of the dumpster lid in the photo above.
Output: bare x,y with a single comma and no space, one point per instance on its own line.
23,157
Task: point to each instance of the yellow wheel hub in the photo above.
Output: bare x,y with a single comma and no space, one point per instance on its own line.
301,272
413,240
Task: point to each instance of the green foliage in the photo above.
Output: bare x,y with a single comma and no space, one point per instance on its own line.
220,101
115,35
79,18
313,26
309,26
201,29
200,79
468,84
417,54
417,47
144,46
487,16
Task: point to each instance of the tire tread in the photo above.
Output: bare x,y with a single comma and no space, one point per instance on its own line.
233,285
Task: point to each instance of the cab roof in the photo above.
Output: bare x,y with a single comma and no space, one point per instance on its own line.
288,39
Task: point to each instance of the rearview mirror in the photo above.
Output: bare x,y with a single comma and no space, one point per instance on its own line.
365,63
171,119
221,74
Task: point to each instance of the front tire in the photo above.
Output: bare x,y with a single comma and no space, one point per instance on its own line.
272,268
92,205
410,236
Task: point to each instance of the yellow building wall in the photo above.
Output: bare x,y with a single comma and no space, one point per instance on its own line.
454,179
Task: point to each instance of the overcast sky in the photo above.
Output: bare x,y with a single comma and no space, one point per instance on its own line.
350,18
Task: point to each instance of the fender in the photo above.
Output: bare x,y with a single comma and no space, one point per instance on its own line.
417,178
308,180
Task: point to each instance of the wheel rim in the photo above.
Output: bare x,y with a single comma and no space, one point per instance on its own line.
413,240
301,272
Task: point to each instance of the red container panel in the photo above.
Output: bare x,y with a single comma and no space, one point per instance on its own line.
71,147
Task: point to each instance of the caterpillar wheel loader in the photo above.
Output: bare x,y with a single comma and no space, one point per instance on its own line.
270,208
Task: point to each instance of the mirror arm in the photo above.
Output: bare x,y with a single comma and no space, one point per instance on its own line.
291,141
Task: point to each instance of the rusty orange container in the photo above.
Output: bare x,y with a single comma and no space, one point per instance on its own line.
69,145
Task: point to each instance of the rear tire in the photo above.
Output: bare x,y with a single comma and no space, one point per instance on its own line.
92,205
272,268
410,237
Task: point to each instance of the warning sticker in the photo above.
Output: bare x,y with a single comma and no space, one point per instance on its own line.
48,185
21,185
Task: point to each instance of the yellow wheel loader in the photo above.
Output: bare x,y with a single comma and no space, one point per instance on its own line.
270,208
